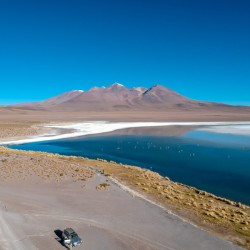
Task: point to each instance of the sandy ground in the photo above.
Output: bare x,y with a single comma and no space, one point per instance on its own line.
38,200
169,115
41,194
31,211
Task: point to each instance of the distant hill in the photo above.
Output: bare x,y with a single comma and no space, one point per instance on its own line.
117,97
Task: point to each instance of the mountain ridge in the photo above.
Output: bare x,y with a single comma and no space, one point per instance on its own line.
118,97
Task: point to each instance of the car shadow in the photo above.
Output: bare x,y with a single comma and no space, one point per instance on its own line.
59,239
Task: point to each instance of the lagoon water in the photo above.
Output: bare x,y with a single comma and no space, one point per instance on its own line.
217,163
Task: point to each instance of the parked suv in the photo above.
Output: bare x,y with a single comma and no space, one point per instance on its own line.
71,238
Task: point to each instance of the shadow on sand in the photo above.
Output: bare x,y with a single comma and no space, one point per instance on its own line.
58,233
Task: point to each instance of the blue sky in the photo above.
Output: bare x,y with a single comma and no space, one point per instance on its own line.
200,48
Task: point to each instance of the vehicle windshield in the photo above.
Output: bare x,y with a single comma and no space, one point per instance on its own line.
74,235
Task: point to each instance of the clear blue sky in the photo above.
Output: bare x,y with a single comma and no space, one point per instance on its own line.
200,48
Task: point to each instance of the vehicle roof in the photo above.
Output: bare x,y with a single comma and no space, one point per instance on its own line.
69,230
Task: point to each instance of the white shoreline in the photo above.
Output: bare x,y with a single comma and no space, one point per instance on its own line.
229,129
97,127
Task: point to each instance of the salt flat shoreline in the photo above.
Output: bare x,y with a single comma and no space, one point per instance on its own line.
80,129
40,193
99,127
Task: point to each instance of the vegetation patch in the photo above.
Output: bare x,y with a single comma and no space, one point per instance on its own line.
228,218
102,186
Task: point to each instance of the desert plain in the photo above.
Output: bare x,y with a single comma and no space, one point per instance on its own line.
110,205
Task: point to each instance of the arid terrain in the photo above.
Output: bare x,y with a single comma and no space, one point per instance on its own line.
109,110
112,206
38,186
118,103
108,205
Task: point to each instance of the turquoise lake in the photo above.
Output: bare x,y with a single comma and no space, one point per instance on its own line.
217,163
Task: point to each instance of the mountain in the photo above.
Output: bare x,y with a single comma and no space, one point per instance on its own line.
63,97
117,97
161,94
52,101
